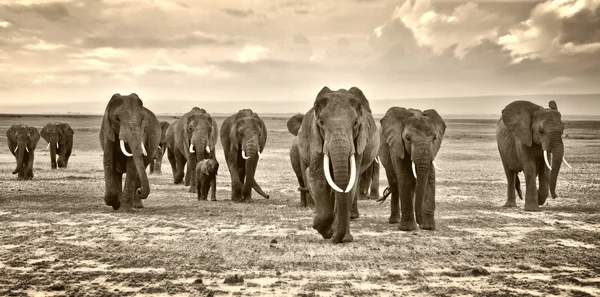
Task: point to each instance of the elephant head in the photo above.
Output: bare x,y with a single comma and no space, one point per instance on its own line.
410,133
57,135
340,133
125,123
198,132
532,125
21,139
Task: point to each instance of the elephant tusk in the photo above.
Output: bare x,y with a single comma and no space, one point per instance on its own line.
436,167
352,174
160,148
16,149
123,150
566,163
259,156
57,145
144,149
328,174
48,146
27,149
192,151
377,160
207,149
414,170
244,155
546,160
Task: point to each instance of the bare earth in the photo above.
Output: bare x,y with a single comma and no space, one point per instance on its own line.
58,238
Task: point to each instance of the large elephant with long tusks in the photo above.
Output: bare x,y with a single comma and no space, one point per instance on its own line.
60,141
128,135
243,136
194,138
22,141
530,140
337,141
410,141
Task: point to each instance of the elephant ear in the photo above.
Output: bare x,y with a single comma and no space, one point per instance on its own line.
552,105
316,139
34,135
363,100
107,127
67,131
392,126
262,141
518,116
233,133
44,132
11,133
439,128
294,123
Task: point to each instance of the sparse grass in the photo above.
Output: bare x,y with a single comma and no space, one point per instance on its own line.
56,228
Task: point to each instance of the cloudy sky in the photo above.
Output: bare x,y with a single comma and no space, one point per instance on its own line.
56,51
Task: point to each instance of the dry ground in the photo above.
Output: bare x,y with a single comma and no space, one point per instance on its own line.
58,238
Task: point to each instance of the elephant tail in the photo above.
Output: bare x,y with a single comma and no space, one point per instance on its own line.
518,186
386,193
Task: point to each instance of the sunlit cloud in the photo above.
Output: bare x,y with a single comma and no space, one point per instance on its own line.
252,53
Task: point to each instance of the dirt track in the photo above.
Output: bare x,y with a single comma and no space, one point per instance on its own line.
58,237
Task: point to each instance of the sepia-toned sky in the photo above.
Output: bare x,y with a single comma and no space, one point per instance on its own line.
56,51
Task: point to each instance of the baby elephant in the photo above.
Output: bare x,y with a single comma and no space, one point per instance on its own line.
206,175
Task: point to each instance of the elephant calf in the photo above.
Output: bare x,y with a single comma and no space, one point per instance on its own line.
60,141
22,141
530,140
206,172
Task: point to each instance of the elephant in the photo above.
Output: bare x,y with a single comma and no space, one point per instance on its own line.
206,172
156,164
411,139
127,133
193,140
530,140
339,127
369,181
22,141
243,136
293,126
60,141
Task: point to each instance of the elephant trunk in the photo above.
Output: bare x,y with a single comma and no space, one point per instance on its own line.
53,154
62,151
20,156
340,156
136,149
557,149
422,160
251,164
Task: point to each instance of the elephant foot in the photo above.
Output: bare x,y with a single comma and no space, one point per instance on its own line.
202,198
347,238
327,233
510,204
193,189
323,227
247,200
532,207
116,205
542,200
53,167
408,225
428,223
354,215
394,219
213,199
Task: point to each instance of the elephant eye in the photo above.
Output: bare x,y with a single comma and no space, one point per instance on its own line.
434,137
407,137
541,131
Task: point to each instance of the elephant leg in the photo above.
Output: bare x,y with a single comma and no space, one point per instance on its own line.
188,174
152,166
180,161
29,166
236,184
173,162
363,185
310,202
213,188
129,188
395,200
375,182
511,176
68,154
544,182
303,202
531,197
428,221
112,187
324,201
354,214
406,194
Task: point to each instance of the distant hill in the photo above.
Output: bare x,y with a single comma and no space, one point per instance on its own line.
585,106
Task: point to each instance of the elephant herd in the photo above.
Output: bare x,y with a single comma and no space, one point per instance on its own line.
336,153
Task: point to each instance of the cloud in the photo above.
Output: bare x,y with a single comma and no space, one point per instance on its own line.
465,27
61,80
252,53
4,24
555,27
41,45
191,39
239,13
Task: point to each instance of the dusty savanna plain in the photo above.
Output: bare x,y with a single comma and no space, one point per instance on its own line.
58,238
